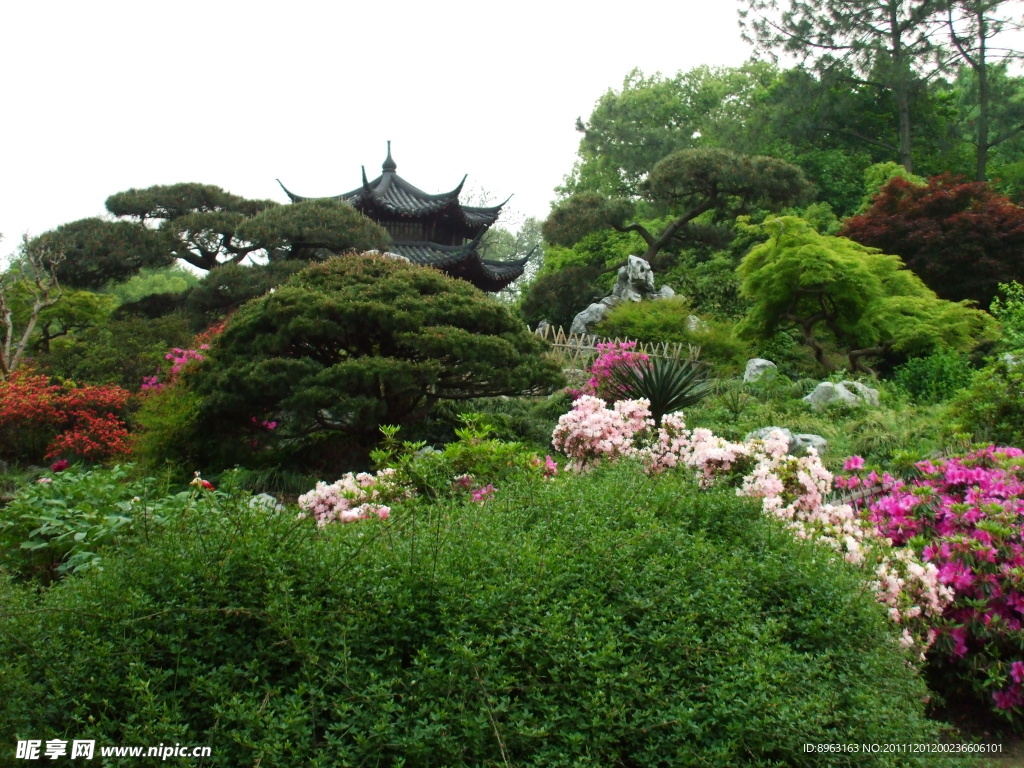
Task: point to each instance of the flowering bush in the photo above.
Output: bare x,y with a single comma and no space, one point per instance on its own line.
964,517
591,432
40,420
612,356
791,488
353,497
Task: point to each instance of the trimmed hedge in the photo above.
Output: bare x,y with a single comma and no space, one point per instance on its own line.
611,619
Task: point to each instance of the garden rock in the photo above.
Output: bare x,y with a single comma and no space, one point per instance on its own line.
850,393
804,441
588,318
635,282
758,367
864,392
695,325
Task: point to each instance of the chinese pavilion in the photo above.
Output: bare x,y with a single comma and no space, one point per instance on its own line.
435,230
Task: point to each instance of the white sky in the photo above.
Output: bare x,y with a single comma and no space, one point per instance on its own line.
107,95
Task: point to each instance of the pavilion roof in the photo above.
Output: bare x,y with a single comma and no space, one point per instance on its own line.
389,196
463,261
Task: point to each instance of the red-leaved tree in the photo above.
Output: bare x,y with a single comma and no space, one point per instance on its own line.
961,238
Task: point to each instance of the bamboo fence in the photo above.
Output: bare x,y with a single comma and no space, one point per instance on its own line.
576,350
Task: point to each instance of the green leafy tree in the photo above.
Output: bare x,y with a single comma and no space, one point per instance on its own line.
687,183
312,230
866,300
354,343
208,227
27,289
887,43
199,220
100,252
972,26
559,296
651,117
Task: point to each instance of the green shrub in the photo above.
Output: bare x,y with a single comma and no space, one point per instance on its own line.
612,619
346,346
934,378
170,435
991,408
667,321
476,459
121,352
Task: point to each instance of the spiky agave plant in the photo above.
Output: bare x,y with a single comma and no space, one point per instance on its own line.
669,385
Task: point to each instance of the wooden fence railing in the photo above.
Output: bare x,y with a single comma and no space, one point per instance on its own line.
577,349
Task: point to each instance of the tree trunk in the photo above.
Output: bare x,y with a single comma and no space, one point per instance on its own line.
982,72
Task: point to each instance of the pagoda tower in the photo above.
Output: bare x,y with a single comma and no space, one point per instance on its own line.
434,230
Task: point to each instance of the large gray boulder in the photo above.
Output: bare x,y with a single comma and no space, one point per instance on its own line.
758,367
849,393
863,392
588,318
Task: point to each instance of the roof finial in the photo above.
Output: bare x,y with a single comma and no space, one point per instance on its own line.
389,164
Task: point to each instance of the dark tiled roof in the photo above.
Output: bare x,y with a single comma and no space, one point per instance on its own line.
462,261
391,195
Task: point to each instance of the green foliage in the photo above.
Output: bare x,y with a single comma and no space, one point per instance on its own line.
528,420
671,320
865,299
711,637
668,385
934,378
652,116
76,312
1008,309
583,213
170,435
684,185
879,175
313,230
351,344
893,437
559,296
227,288
61,522
709,284
120,352
991,409
476,457
99,252
149,282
